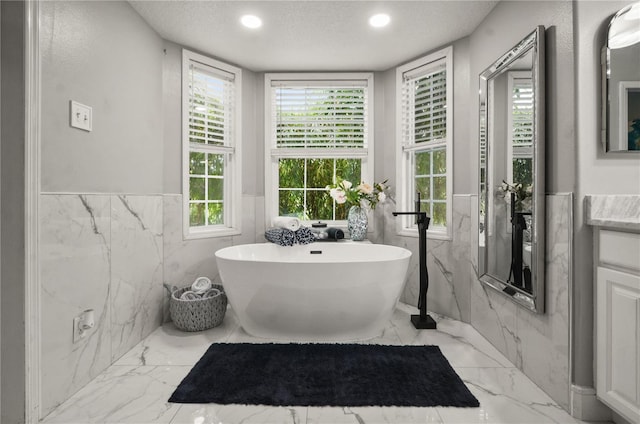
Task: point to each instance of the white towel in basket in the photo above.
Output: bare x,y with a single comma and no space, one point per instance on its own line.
201,285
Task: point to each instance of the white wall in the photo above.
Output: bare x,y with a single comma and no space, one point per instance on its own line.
172,117
104,55
597,172
507,24
464,165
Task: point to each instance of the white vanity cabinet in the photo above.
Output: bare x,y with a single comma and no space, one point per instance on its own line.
618,321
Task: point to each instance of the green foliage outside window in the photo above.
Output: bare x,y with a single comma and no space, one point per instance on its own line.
303,185
431,183
206,189
523,171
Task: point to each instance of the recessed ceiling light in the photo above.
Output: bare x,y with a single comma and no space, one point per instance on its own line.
251,21
380,20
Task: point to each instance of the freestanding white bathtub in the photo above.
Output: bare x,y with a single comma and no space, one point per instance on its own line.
331,291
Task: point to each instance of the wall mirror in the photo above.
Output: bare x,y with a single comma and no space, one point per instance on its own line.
621,82
512,171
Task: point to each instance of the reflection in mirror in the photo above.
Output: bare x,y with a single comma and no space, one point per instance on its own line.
511,219
621,82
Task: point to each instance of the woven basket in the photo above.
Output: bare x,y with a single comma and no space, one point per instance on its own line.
197,314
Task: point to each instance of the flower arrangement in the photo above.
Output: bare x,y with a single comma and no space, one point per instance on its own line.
523,194
360,195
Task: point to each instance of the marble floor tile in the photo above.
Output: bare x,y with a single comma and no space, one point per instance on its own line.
124,395
372,415
506,396
135,389
170,346
459,342
245,414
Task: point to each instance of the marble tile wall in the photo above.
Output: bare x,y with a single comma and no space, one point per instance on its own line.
136,270
75,267
100,252
112,254
448,292
537,344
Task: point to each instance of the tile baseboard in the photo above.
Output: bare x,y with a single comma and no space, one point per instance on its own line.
586,407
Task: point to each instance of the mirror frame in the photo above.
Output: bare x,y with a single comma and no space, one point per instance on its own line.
534,42
605,63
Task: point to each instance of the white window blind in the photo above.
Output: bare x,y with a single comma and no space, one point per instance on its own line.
520,121
211,100
317,115
483,137
424,96
522,112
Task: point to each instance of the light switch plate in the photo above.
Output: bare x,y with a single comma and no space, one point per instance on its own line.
81,116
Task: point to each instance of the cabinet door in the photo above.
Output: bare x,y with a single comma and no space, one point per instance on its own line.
618,341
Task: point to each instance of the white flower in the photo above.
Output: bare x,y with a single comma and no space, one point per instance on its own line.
338,195
347,184
365,188
382,197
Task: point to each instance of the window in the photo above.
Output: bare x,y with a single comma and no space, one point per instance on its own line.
424,155
211,146
317,132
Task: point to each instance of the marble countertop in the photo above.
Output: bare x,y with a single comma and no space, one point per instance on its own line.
613,211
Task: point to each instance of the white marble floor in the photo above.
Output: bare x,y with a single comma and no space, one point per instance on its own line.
135,389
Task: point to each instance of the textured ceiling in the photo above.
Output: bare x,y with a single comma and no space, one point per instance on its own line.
313,35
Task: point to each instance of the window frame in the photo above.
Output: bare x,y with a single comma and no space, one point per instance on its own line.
405,171
272,153
232,191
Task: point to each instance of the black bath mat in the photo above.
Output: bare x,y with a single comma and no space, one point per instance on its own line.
323,375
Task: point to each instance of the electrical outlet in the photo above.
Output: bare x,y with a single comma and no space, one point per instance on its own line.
81,116
78,334
83,324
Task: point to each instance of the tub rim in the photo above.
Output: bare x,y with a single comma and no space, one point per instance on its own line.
405,254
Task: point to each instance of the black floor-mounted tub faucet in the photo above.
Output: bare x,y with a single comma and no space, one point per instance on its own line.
422,321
